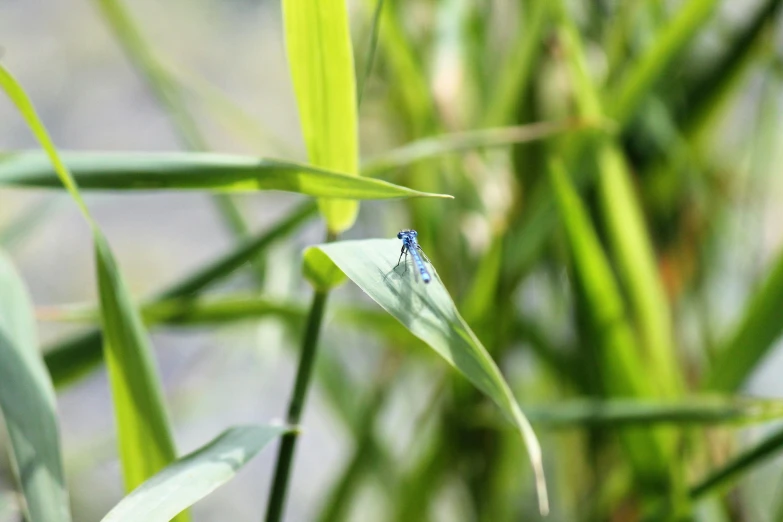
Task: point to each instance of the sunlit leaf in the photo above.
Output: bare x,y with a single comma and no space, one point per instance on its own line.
429,313
320,58
191,478
193,171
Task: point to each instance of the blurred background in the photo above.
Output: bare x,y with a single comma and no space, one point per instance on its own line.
700,148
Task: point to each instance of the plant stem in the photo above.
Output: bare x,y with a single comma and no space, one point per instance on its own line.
304,375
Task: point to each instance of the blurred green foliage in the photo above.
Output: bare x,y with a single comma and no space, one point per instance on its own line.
599,154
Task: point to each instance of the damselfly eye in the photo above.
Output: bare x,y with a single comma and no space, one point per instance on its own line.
399,235
414,233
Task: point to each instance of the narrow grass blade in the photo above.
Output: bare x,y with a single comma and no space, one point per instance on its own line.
648,69
169,96
193,477
628,235
29,406
746,461
429,313
146,443
516,71
194,171
70,359
320,58
144,436
623,372
615,413
754,336
427,148
703,96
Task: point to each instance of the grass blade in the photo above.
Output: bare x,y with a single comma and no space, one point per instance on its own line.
194,171
650,67
145,440
320,58
741,464
753,337
628,235
427,148
429,313
29,406
689,411
515,75
191,478
74,357
619,358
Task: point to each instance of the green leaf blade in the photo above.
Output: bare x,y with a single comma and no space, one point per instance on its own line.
193,171
143,431
27,403
191,478
320,58
428,311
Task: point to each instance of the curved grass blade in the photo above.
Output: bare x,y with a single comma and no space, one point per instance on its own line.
29,406
193,477
144,436
70,359
753,337
429,313
320,58
194,171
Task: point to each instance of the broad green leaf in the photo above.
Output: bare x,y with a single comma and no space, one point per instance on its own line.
319,270
193,171
143,433
193,477
429,313
754,336
75,356
622,369
28,406
320,58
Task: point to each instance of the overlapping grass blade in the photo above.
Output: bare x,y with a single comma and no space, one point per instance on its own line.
516,71
629,238
70,359
652,65
429,313
194,476
145,440
194,171
623,372
753,337
320,58
28,406
704,95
